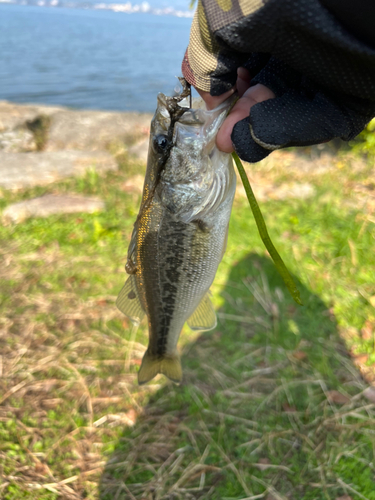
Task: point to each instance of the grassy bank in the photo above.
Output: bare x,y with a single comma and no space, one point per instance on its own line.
273,404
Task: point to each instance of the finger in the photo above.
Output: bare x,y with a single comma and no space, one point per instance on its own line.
213,101
241,110
243,80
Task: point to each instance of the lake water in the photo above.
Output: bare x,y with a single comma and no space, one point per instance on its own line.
89,58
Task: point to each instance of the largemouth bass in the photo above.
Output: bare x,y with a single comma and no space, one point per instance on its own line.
180,234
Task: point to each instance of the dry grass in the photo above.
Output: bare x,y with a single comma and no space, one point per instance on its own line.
63,387
272,405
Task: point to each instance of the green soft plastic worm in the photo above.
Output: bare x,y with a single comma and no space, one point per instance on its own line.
262,228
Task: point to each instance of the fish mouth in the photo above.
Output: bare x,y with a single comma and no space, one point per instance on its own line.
201,123
172,103
182,125
185,117
168,113
183,101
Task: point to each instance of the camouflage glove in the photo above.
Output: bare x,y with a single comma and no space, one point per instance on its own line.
317,56
303,113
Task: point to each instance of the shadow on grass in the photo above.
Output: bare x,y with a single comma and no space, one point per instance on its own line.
262,411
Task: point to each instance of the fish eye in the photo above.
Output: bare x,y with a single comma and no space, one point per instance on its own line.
161,143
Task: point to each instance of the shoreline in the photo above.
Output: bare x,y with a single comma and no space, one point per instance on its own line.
42,144
35,127
42,105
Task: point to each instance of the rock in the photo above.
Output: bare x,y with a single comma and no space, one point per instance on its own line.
86,130
17,140
17,115
93,130
15,120
17,124
140,150
51,204
21,170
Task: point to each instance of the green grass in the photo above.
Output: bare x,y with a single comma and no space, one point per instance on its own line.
272,402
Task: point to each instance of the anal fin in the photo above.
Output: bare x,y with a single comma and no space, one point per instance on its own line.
204,317
128,301
170,366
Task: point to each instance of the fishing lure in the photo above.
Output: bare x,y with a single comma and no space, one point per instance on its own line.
263,232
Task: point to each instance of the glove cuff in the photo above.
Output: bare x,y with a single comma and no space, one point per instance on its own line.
244,144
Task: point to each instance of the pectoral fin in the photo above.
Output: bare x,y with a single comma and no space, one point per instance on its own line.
128,301
170,366
204,317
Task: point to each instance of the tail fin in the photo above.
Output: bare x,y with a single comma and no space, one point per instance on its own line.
170,366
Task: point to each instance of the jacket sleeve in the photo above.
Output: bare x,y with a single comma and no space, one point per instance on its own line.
321,40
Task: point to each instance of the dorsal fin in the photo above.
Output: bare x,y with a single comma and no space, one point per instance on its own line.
204,317
128,301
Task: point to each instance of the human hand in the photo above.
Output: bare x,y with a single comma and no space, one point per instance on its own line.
316,58
296,112
248,97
